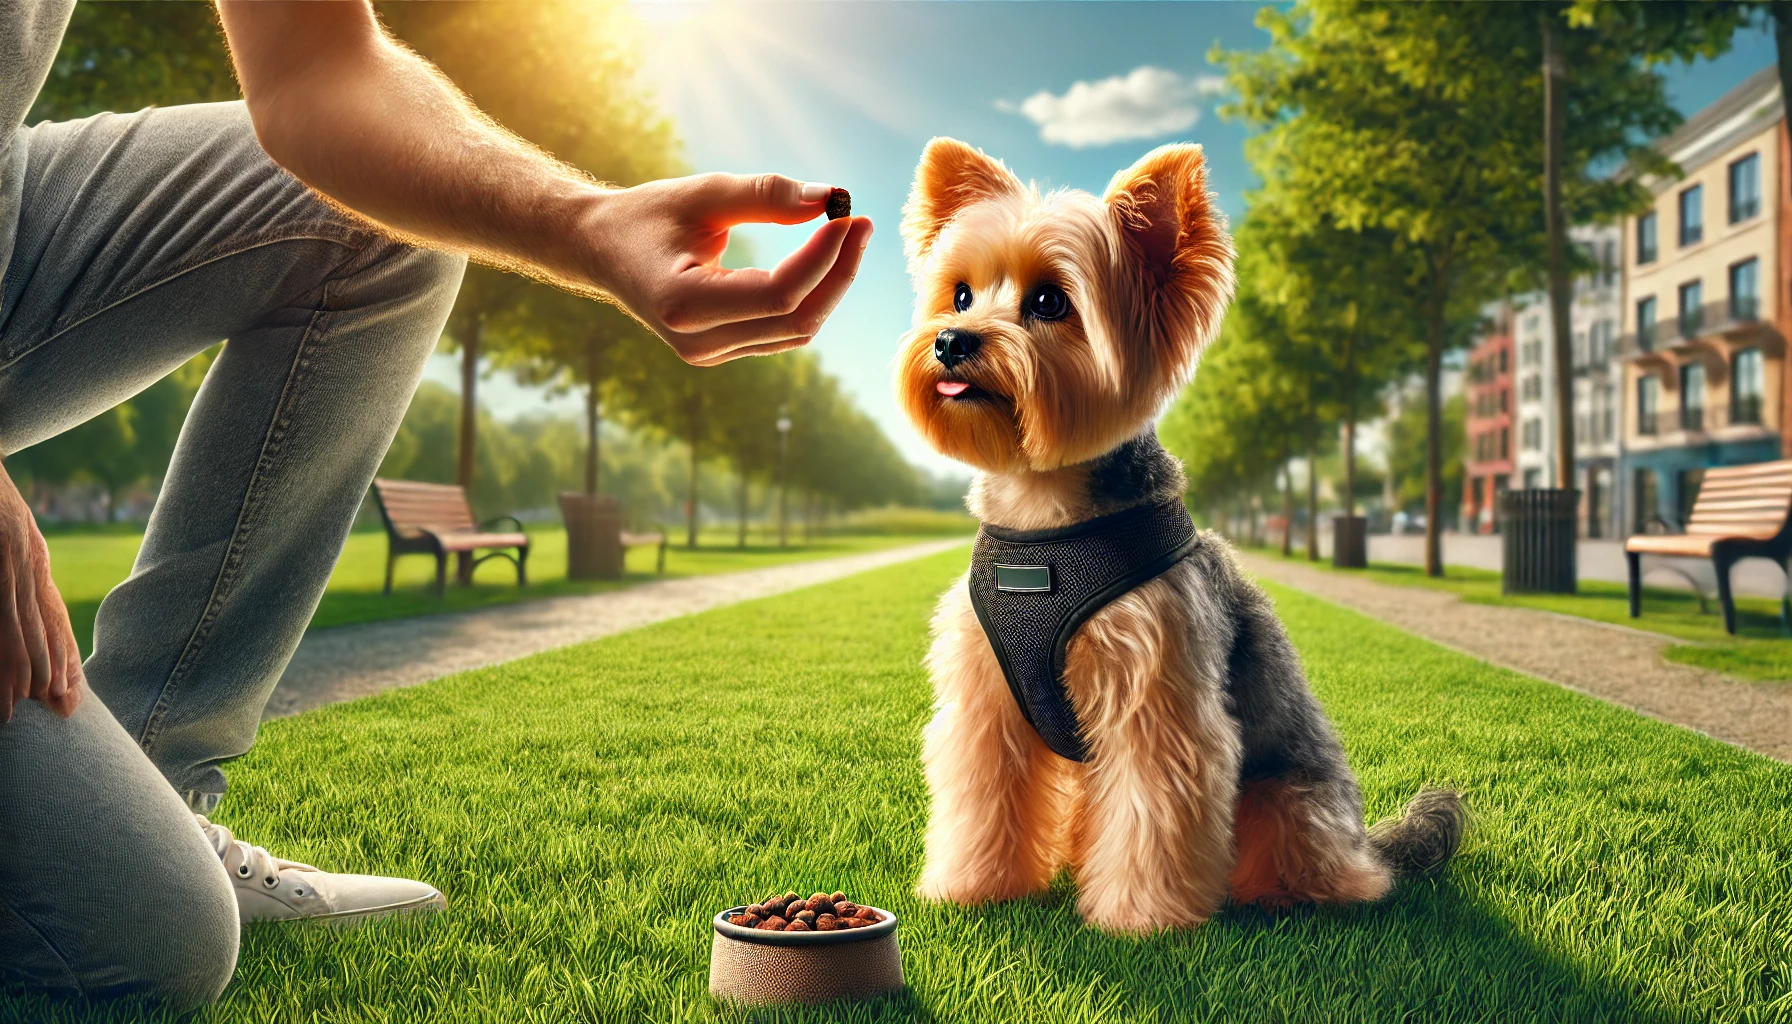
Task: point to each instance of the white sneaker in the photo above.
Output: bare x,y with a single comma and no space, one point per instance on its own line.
271,889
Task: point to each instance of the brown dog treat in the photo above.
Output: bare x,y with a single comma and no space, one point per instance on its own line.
822,906
740,919
845,908
798,907
790,897
756,909
798,926
806,915
839,204
826,922
837,897
817,896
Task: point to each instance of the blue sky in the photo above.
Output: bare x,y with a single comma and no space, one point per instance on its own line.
849,92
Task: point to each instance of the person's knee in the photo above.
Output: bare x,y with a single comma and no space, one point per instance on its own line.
186,959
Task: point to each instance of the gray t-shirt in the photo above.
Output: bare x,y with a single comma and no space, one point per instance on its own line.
30,32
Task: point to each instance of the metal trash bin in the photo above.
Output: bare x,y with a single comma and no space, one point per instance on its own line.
593,536
1537,529
1350,542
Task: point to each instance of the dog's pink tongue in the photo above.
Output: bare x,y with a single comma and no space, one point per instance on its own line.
950,388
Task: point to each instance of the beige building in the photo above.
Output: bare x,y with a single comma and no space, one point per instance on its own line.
1703,348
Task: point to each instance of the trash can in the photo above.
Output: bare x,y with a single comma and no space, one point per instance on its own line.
1350,542
1537,530
593,536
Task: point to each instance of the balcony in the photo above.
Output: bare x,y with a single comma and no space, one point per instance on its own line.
1710,318
1645,423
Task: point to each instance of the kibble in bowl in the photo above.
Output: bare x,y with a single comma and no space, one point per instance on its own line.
788,949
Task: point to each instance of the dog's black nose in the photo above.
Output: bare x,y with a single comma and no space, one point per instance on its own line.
953,346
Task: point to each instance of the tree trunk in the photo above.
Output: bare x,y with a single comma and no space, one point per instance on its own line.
1349,426
741,540
1555,121
469,404
1287,507
690,505
1434,429
591,415
1312,503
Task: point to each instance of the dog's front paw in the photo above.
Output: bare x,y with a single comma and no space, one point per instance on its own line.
1136,912
957,885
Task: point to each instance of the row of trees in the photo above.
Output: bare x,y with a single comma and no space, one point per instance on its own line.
1418,161
560,74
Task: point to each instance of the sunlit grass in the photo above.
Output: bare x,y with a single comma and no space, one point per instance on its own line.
87,565
586,810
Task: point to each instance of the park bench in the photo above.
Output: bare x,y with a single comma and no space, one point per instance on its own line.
435,519
1741,512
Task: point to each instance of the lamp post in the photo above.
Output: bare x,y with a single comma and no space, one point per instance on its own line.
784,476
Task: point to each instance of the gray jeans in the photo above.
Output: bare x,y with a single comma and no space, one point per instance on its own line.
145,239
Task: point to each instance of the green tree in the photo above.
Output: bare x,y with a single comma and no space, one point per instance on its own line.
561,74
126,56
1417,120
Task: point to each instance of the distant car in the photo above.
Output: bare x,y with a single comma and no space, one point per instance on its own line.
1408,523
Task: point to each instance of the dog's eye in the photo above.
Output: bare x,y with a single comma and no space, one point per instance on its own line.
961,297
1048,302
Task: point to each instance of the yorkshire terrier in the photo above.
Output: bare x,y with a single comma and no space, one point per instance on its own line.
1188,761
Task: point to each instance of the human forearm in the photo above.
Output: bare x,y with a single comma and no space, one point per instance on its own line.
375,128
371,125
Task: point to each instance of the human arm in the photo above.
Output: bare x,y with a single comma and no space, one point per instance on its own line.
373,126
38,655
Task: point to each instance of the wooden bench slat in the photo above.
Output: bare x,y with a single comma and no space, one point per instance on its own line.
468,541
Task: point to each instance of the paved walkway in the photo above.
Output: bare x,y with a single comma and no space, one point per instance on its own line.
346,662
1620,665
1596,560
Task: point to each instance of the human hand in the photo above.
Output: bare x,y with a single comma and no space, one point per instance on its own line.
38,655
659,246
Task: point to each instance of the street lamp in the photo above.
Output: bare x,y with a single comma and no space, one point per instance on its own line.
784,476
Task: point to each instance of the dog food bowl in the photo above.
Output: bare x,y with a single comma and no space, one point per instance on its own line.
755,968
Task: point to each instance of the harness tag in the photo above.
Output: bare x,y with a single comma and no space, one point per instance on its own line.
1024,579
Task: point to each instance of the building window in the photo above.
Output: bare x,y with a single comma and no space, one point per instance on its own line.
1648,400
1692,308
1646,507
1746,387
1745,188
1505,400
1533,435
1505,443
1645,238
1608,264
1692,215
1690,482
1745,290
1692,396
1502,360
1645,324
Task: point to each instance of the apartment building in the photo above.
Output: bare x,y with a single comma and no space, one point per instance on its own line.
1487,389
1595,311
1703,346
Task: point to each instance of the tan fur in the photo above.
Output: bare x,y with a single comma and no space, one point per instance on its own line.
1147,823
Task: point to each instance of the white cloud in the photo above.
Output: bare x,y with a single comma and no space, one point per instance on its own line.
1145,103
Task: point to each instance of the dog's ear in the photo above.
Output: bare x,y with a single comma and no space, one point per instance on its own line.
1177,241
952,176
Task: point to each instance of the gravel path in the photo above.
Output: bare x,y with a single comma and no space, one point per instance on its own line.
1614,663
346,662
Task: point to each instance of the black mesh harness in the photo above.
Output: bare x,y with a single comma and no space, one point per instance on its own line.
1032,589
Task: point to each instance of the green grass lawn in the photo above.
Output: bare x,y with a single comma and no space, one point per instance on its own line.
1759,651
87,565
588,809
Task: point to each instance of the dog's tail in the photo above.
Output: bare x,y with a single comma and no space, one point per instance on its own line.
1425,837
